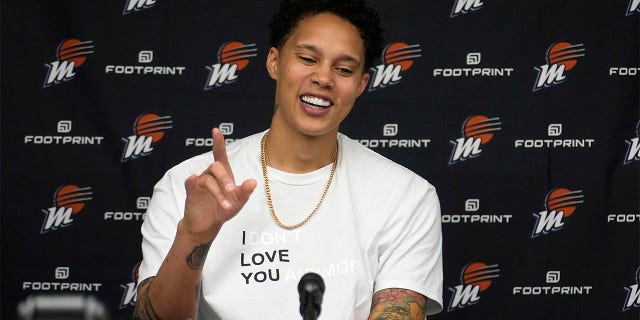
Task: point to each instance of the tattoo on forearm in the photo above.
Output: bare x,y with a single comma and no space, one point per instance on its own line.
400,304
144,309
148,308
195,259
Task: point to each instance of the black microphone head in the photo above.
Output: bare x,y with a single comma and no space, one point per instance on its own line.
311,289
310,282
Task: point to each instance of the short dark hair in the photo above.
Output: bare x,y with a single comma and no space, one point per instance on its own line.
357,12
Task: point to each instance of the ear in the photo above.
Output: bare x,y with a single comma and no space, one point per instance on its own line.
272,62
363,82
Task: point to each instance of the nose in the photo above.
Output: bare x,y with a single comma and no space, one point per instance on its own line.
323,77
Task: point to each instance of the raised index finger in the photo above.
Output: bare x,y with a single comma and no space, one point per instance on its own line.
220,149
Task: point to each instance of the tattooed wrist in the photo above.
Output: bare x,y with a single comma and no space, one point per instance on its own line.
195,259
148,308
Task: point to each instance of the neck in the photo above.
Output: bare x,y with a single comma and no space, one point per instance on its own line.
300,154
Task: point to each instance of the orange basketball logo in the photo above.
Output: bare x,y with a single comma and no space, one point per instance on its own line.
565,53
74,50
71,196
561,199
237,53
479,274
400,53
481,127
152,125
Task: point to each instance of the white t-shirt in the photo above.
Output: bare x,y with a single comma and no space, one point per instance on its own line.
378,227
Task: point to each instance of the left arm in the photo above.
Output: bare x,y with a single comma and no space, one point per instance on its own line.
398,304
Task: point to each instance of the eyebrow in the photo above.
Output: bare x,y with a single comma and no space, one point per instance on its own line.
343,57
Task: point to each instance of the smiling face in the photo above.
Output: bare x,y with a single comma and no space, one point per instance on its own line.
319,73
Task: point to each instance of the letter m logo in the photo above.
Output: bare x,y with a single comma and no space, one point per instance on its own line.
547,222
220,74
136,5
59,71
464,148
549,75
464,295
464,6
56,218
385,75
137,146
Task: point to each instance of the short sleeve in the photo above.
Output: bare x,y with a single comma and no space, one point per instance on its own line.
160,224
411,245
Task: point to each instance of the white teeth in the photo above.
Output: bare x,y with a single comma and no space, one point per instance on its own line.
315,101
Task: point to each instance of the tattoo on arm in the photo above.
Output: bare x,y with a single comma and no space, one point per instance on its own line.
195,259
144,310
400,304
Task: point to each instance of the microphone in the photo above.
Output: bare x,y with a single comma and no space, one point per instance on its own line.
311,289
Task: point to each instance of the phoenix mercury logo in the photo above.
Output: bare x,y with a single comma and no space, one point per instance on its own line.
232,57
68,200
633,294
560,203
633,149
148,129
476,277
396,57
71,54
129,295
476,131
561,57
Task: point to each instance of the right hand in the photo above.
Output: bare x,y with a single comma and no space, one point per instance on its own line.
213,196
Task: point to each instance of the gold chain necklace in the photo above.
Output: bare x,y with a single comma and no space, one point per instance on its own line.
267,190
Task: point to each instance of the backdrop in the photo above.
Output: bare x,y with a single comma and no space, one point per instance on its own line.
524,114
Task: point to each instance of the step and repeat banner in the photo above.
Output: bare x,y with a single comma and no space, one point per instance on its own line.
524,114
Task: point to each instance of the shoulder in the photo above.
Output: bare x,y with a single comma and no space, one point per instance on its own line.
362,162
